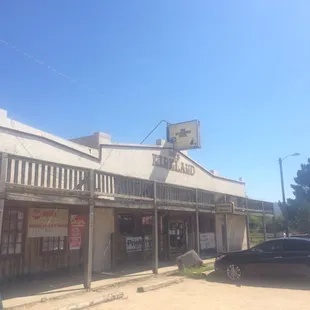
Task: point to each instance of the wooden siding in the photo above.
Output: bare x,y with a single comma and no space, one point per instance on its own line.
30,175
32,260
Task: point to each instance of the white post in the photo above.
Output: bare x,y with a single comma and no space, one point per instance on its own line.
155,233
197,225
89,262
3,172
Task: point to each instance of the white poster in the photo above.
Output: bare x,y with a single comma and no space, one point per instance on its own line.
47,222
207,241
133,244
147,242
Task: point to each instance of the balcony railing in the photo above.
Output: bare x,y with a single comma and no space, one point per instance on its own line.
32,173
118,186
175,195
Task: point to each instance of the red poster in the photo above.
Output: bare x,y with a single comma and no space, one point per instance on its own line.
77,226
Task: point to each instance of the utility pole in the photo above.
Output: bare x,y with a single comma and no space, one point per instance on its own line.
285,209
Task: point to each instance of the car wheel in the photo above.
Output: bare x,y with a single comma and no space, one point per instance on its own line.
233,272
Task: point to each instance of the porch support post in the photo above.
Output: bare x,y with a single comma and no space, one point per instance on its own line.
274,227
264,223
155,233
226,228
91,207
226,232
3,172
197,225
247,224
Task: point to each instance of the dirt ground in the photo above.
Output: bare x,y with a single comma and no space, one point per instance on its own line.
216,293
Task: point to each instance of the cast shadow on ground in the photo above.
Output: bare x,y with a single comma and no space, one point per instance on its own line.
280,282
65,281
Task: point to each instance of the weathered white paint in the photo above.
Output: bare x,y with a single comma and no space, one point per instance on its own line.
138,162
103,228
219,223
237,237
130,160
94,140
236,231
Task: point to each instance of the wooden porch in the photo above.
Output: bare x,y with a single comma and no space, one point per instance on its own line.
28,180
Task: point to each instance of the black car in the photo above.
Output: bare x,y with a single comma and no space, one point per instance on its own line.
285,256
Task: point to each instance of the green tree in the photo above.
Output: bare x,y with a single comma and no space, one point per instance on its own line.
302,186
255,223
299,207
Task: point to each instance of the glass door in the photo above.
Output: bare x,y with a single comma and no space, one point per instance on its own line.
177,237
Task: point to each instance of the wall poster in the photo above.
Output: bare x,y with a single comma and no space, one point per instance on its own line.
76,230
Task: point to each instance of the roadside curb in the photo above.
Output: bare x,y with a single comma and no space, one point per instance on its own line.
147,288
83,291
103,299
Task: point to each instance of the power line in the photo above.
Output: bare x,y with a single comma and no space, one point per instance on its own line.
51,68
72,80
162,121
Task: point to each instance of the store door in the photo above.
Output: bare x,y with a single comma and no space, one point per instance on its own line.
177,238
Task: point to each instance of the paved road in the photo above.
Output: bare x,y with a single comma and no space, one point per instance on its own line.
284,294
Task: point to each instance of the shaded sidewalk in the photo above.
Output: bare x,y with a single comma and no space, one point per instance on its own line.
57,287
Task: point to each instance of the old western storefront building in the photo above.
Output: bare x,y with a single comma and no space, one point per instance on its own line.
65,204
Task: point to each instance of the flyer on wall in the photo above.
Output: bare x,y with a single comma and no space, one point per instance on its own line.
77,226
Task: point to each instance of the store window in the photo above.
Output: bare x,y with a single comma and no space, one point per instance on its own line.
147,224
126,224
206,224
52,244
12,232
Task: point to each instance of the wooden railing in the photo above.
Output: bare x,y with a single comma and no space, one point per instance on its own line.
205,200
175,195
113,185
29,172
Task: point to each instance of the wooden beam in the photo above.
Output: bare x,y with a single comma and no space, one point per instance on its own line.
3,170
274,227
197,225
264,223
124,204
45,199
247,222
20,188
226,232
155,233
175,208
89,261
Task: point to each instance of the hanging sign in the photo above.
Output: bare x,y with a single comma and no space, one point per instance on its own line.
47,222
76,229
224,208
185,135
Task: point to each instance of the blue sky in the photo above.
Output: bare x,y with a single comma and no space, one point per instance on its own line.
241,67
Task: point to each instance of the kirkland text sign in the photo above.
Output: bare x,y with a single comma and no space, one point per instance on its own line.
173,164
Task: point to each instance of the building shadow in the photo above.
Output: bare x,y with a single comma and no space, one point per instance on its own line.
279,282
160,163
66,282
